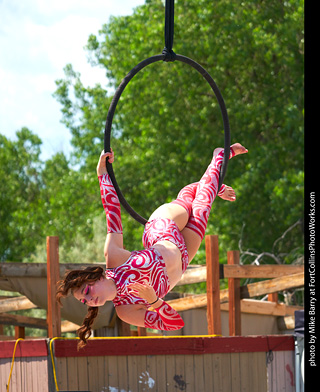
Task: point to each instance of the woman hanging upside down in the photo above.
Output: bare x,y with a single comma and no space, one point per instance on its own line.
136,281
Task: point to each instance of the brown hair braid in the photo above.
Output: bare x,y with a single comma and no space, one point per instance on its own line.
72,281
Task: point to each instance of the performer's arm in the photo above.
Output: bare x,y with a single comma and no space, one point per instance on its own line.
110,204
164,317
114,252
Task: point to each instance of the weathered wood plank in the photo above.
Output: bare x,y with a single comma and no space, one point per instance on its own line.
249,291
170,373
23,321
16,303
122,362
62,373
133,372
113,371
193,275
255,306
73,375
272,285
235,372
161,382
36,270
82,373
93,374
261,271
189,372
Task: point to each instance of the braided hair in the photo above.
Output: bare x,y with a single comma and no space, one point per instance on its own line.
72,281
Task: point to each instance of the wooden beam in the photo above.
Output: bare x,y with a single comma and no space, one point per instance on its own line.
272,285
261,271
285,323
22,321
36,270
254,306
249,291
193,275
53,313
187,303
213,285
68,326
15,303
234,297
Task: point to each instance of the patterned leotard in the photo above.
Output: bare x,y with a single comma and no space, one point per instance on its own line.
142,266
145,266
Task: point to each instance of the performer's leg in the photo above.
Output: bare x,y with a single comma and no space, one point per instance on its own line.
180,209
206,192
186,196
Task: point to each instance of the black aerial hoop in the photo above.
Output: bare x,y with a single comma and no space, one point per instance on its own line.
167,55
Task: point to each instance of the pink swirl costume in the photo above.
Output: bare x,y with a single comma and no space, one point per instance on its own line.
148,266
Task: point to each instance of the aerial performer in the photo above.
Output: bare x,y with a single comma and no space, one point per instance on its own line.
136,282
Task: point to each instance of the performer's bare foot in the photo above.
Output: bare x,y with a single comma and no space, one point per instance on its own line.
228,194
236,147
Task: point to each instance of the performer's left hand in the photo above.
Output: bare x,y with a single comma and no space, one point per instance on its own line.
145,291
101,166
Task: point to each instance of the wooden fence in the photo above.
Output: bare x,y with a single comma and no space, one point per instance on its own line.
213,364
236,298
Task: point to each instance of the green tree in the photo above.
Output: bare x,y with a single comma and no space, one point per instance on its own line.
70,198
42,198
168,122
20,176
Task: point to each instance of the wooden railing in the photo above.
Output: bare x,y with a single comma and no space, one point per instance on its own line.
235,298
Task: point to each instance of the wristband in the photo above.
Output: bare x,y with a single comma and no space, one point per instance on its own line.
154,301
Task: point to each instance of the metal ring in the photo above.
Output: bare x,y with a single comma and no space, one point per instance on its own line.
115,100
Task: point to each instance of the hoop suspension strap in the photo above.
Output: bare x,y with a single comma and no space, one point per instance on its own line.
168,53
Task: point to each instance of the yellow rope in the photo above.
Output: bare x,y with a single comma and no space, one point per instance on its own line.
14,353
106,338
52,359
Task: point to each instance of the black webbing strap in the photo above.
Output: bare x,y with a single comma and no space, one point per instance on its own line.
168,53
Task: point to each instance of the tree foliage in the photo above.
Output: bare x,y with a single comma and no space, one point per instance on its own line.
168,122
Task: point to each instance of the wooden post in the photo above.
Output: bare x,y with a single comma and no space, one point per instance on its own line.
19,332
123,328
273,297
142,331
213,285
234,297
53,275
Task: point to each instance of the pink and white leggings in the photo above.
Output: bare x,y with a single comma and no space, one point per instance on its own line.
197,198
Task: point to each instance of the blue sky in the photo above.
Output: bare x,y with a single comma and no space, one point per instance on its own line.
37,39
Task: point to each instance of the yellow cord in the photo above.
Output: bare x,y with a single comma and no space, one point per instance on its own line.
52,359
53,365
14,353
100,338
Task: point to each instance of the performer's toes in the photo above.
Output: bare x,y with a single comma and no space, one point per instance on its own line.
238,149
228,194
